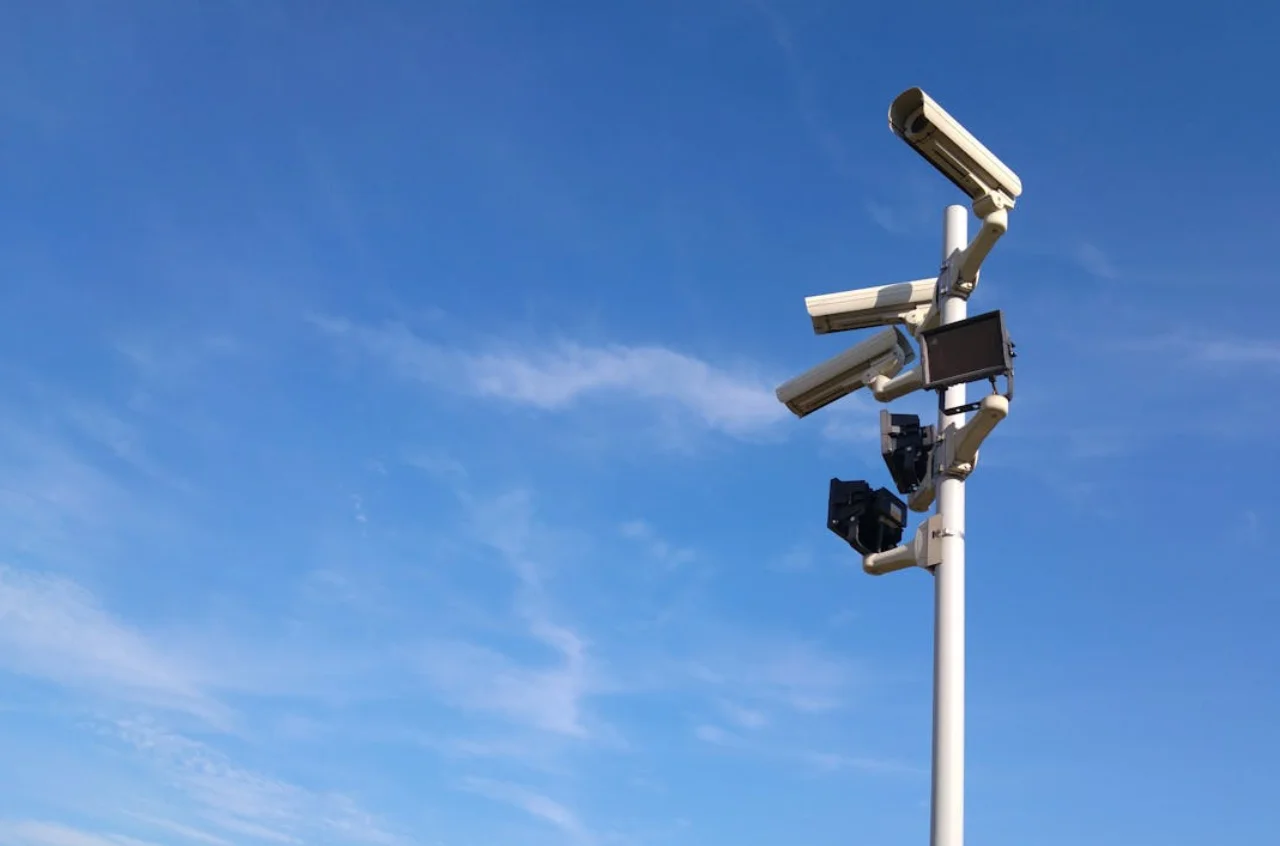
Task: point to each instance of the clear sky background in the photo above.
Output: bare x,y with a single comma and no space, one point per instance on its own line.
389,452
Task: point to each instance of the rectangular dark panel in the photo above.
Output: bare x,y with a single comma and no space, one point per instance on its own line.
965,351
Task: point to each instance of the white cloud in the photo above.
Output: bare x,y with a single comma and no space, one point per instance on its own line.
533,803
1095,261
176,354
1236,351
850,431
54,504
747,718
842,618
1089,442
708,733
519,537
52,628
101,425
850,421
244,802
793,673
38,833
672,557
797,559
833,762
1209,350
886,218
560,375
438,465
548,698
1252,529
824,761
536,752
184,831
913,204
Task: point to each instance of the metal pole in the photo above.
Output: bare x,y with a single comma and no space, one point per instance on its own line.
947,811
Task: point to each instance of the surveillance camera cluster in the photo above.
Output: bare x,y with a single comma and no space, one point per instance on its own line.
873,521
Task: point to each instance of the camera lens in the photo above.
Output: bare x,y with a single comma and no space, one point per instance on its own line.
918,123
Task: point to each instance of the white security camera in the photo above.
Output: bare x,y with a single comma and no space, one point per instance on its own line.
882,355
862,308
916,118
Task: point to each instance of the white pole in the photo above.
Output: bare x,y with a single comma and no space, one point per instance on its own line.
947,819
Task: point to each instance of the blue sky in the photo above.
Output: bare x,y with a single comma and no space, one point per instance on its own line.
390,455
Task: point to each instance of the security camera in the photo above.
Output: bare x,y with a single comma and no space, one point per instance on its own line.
916,118
907,448
883,354
869,521
883,305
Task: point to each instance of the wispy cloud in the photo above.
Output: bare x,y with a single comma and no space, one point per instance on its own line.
1251,529
1091,257
1088,442
744,717
1235,351
184,831
438,465
851,421
558,376
804,90
39,833
536,752
834,762
1210,350
172,356
534,804
708,733
662,551
548,696
52,628
783,671
358,512
899,219
914,203
797,559
824,762
117,435
245,802
477,678
56,503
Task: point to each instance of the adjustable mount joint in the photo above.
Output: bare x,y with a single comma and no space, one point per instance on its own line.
924,550
991,202
959,274
955,452
886,389
956,469
918,318
960,444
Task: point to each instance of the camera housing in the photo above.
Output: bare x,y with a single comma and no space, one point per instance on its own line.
869,521
907,448
883,354
880,305
943,142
